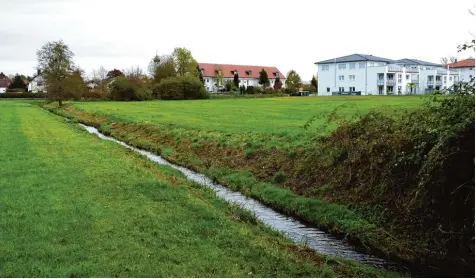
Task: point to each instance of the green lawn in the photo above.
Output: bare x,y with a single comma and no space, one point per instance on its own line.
72,205
274,115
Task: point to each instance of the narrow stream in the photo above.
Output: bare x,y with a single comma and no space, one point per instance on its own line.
297,231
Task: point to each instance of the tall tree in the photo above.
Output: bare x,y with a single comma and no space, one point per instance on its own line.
236,79
184,62
200,75
165,68
18,83
314,82
55,61
114,73
263,78
293,80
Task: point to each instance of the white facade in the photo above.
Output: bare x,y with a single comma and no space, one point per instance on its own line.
3,89
211,86
36,84
381,78
466,73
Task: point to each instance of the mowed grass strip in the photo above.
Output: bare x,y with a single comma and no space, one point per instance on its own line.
72,205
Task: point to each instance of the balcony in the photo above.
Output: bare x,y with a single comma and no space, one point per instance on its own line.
391,82
441,72
438,82
409,70
430,82
380,82
394,69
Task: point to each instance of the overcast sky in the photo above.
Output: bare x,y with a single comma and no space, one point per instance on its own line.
286,34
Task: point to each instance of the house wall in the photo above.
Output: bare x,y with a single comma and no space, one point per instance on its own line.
466,73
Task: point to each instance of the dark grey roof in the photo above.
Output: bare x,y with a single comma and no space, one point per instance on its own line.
355,58
406,61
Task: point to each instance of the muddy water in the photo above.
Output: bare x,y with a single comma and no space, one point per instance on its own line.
297,231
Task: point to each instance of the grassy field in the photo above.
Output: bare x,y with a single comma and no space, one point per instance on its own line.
72,205
285,115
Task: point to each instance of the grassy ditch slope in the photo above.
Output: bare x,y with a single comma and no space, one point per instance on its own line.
72,205
395,174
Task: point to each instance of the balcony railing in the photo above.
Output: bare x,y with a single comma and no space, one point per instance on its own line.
391,82
380,81
394,69
430,82
438,82
441,72
411,70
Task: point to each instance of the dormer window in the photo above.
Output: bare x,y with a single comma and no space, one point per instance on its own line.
248,72
276,74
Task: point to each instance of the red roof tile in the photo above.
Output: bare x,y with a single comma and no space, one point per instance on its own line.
243,70
462,63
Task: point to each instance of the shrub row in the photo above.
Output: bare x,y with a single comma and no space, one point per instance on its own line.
173,88
23,95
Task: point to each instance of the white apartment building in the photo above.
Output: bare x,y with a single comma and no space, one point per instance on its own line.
465,69
248,75
360,74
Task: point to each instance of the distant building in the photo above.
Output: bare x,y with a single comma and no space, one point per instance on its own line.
372,75
4,82
37,84
465,69
248,75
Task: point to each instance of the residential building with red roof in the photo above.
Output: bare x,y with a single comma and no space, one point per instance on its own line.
465,69
4,82
248,75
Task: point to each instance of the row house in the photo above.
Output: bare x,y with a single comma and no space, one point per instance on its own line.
248,75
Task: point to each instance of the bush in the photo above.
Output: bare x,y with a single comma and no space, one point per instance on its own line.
22,95
417,166
250,90
129,89
180,88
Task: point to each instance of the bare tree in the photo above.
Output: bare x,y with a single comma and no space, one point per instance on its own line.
98,75
134,72
448,60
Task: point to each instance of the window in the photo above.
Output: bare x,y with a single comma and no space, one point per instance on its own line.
470,76
351,77
325,67
451,78
399,78
362,65
207,79
341,77
342,66
328,89
407,77
352,89
352,66
341,89
444,79
399,90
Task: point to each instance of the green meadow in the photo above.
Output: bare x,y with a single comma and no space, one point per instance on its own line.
72,205
282,116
